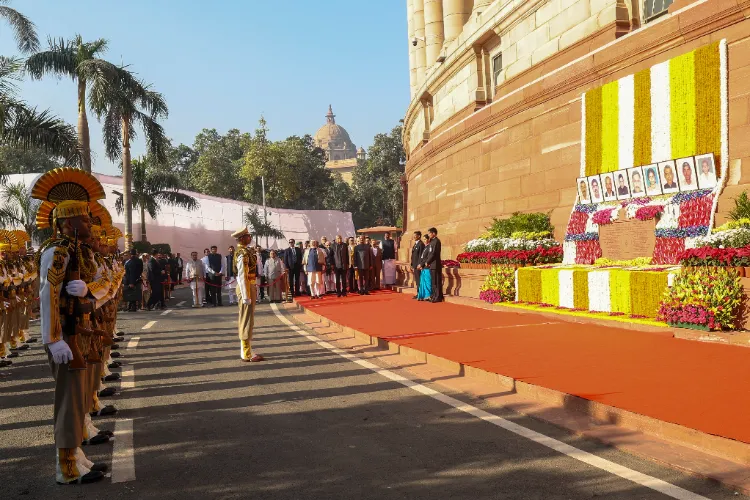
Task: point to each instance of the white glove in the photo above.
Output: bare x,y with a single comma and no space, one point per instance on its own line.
61,352
247,302
77,288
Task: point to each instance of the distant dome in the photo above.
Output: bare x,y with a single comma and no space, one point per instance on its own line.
334,139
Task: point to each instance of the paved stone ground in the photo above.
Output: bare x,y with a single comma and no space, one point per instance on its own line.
305,424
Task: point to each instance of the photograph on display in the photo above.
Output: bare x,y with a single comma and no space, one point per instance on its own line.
595,188
608,186
635,175
706,171
583,190
651,179
668,178
686,174
623,186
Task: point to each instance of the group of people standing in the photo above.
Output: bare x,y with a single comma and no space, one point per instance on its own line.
317,268
427,266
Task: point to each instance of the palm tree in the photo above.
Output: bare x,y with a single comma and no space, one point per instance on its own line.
152,189
78,60
122,104
19,211
23,28
26,127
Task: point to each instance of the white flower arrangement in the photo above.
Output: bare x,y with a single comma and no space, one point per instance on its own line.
496,244
723,239
599,297
670,217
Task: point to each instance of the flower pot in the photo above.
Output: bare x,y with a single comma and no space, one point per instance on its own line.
740,271
747,272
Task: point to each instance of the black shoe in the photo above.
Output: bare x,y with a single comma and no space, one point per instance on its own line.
5,362
115,354
98,439
114,347
12,354
118,339
107,392
91,477
31,340
100,467
21,347
114,364
107,433
107,410
414,297
111,377
367,293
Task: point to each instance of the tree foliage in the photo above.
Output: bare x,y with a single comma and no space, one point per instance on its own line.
259,226
214,163
17,160
18,211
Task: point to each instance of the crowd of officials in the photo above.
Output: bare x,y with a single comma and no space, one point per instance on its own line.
314,268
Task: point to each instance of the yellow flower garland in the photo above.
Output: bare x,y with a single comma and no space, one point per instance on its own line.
551,286
682,104
594,131
619,290
581,289
642,116
646,290
708,102
610,127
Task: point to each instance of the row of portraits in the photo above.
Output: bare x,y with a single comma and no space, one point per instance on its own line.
660,178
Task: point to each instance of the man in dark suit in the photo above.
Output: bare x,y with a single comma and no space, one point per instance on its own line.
293,264
214,273
156,275
432,262
132,280
340,253
416,255
363,264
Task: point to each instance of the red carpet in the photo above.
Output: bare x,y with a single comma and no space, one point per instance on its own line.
698,385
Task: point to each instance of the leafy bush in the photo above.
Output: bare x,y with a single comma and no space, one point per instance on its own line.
709,297
741,208
142,246
162,247
731,238
499,285
520,222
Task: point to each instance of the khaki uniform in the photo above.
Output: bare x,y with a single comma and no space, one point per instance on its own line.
246,263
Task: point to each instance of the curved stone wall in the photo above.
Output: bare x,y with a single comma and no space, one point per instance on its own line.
483,142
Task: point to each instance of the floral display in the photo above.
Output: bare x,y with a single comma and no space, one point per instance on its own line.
648,212
539,255
707,298
497,244
625,291
717,257
728,238
637,262
499,285
675,109
450,263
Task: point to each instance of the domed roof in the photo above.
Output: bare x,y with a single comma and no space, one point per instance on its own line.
332,136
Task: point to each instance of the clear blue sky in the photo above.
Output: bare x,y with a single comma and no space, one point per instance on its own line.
221,64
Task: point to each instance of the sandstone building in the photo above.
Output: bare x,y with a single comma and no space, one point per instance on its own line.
494,124
341,152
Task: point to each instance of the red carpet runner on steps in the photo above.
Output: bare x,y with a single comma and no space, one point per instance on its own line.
698,385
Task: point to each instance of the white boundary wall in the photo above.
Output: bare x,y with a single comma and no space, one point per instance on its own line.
216,219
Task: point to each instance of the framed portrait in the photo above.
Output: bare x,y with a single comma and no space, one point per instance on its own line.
608,186
595,188
668,171
622,185
686,174
652,180
637,187
583,191
706,171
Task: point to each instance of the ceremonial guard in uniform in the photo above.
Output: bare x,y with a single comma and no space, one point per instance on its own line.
245,268
67,295
10,300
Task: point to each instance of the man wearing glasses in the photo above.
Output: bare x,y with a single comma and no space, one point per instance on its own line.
293,263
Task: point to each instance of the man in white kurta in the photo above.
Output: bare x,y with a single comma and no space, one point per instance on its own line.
195,272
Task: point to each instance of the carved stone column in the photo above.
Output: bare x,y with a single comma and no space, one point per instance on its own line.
433,26
405,207
417,19
412,48
455,15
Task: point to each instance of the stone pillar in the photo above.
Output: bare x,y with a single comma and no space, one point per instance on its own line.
417,19
433,26
455,15
412,48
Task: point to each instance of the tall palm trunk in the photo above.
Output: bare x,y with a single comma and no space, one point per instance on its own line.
84,142
143,224
127,183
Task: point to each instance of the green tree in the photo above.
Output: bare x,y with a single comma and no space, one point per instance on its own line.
19,211
152,189
79,61
24,127
377,182
15,160
259,226
124,103
216,170
24,30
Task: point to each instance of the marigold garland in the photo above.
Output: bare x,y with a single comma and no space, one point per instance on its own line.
610,127
529,285
593,114
581,289
646,290
619,290
550,286
682,104
642,118
708,102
